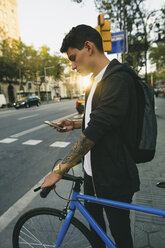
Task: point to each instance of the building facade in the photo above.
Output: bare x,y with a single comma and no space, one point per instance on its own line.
9,25
69,86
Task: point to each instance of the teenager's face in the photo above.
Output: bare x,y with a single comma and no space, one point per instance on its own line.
80,59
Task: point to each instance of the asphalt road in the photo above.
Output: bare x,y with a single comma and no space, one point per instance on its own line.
28,149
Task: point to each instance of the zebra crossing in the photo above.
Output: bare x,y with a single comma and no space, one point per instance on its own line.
34,142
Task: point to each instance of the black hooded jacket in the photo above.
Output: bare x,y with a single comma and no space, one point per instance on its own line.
113,121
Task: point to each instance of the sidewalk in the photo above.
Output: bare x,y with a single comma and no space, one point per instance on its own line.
149,230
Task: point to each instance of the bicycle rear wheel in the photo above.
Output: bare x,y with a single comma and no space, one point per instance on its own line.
40,228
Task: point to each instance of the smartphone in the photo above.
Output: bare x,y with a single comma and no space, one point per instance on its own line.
52,124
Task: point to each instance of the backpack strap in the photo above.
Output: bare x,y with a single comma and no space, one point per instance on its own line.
126,68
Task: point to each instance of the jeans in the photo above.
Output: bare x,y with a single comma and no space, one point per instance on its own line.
119,220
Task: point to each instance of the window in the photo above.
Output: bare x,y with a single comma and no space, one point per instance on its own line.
29,86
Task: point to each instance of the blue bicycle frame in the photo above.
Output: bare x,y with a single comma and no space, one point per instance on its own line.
75,203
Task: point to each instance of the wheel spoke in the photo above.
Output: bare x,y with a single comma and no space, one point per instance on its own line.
31,236
41,227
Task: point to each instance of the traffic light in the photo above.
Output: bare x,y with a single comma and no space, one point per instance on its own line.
104,28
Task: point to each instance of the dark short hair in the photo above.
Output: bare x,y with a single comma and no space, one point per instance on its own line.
79,35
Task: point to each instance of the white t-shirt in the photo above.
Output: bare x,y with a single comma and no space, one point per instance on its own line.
87,157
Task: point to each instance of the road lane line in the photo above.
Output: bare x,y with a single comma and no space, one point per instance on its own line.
26,117
27,131
18,206
37,128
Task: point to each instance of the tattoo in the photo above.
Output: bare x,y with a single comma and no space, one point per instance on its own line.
79,149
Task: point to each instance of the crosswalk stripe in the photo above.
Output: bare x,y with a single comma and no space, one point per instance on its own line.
32,142
60,144
8,140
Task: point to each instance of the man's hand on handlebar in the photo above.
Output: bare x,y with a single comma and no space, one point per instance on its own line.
51,179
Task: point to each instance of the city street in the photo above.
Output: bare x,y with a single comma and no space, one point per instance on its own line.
28,149
47,62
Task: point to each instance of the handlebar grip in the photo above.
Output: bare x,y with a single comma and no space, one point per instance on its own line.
46,191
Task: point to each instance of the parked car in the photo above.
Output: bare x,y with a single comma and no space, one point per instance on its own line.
2,101
27,102
80,104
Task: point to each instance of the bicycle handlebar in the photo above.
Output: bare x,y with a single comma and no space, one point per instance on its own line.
46,191
66,176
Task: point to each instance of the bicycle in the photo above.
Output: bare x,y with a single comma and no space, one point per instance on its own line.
48,227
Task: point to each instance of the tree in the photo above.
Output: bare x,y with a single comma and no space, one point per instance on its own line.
15,60
20,63
47,60
7,61
157,54
128,15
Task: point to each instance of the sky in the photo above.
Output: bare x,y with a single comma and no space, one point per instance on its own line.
45,22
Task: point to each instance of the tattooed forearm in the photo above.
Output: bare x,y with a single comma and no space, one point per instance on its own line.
80,148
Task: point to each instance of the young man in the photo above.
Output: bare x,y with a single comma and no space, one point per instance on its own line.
110,119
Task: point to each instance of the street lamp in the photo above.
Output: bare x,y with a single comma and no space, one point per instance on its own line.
46,68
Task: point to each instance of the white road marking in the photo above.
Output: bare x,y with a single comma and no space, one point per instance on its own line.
16,208
27,131
26,117
23,202
7,140
59,144
36,128
32,142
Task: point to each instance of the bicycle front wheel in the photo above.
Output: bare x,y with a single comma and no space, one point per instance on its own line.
40,228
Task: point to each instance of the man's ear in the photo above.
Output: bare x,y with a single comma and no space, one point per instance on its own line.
89,46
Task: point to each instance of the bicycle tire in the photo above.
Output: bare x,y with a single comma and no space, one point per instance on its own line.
40,228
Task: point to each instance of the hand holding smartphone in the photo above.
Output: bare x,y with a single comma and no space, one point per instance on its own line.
52,124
